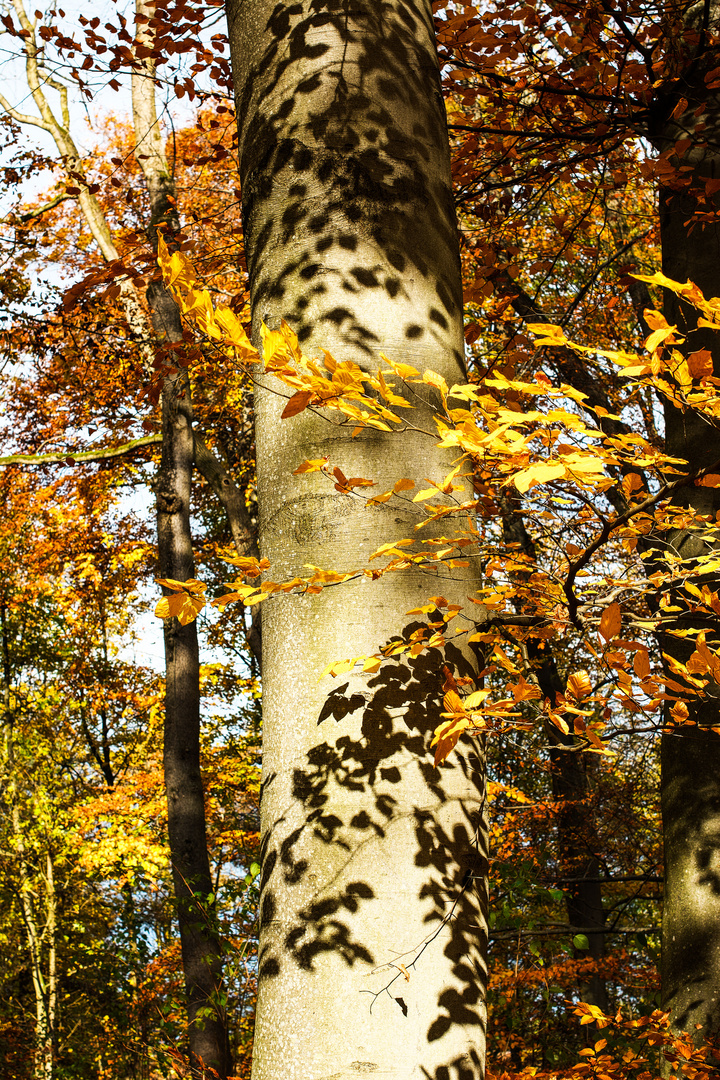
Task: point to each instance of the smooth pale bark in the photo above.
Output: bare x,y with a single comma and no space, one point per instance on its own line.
691,755
351,237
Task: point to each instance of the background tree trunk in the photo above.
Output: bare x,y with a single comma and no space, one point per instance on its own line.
351,238
187,832
691,755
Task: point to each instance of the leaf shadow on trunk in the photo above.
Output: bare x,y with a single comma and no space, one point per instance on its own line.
691,812
391,722
345,166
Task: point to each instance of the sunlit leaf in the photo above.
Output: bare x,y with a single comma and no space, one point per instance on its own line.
611,621
296,404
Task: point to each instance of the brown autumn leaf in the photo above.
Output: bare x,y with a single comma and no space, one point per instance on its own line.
450,683
700,363
296,404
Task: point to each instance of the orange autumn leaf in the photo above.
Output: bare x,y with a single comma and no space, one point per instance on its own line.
311,465
579,684
641,663
185,603
611,621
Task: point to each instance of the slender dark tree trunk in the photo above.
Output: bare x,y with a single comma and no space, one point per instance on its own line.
201,950
691,755
187,833
372,949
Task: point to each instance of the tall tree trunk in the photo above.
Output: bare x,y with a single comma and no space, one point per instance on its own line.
373,897
691,755
187,833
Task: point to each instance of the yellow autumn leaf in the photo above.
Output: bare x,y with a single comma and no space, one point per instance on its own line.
177,269
290,338
162,608
185,603
405,371
636,369
654,319
657,337
426,493
556,719
272,343
235,334
433,379
247,564
661,279
584,463
390,549
246,594
311,465
538,474
447,735
192,584
198,306
340,667
474,700
453,702
547,334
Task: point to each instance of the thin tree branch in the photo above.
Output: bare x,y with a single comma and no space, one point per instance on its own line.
33,215
83,455
610,526
23,118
